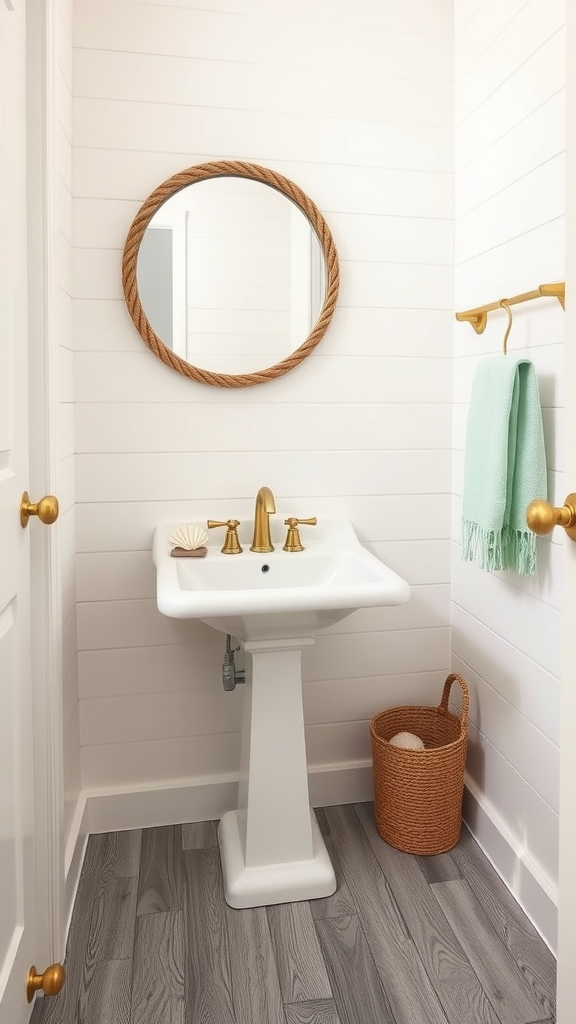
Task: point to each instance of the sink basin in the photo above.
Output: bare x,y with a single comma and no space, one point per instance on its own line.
280,594
270,846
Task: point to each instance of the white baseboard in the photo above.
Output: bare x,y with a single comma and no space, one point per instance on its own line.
345,783
528,883
167,803
184,800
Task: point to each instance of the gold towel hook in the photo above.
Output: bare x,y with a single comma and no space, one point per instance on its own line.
504,304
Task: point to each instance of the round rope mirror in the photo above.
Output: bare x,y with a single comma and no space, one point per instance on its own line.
132,287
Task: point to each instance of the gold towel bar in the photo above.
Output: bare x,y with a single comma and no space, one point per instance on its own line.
479,316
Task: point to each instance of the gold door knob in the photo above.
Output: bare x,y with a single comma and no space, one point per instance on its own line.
51,982
542,517
46,509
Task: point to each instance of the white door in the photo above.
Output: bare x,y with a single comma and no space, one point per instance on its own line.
18,829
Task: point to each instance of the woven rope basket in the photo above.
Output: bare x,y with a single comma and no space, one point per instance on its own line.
418,793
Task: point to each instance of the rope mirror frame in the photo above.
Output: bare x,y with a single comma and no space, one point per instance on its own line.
220,169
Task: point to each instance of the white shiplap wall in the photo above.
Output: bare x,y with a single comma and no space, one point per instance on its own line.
510,202
355,104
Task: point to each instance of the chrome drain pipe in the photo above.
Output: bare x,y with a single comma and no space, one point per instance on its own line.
231,675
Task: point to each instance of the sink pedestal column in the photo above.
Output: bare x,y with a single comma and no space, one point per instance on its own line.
271,847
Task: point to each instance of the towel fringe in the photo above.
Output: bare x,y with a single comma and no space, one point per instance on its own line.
496,550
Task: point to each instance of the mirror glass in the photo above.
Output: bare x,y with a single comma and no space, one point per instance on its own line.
231,275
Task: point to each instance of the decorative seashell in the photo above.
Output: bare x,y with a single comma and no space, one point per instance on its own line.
407,740
189,537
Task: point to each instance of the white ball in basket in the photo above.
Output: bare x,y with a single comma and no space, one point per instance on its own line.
407,740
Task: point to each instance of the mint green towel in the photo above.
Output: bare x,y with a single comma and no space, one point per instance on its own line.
505,466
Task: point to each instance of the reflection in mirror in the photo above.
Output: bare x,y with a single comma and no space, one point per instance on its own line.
231,274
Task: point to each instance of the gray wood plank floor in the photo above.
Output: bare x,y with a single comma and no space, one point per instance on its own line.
404,940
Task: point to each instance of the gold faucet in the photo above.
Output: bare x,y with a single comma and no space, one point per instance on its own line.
265,505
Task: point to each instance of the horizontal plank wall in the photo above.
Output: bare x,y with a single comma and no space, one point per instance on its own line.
510,201
355,104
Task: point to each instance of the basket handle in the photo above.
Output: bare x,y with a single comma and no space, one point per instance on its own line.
443,706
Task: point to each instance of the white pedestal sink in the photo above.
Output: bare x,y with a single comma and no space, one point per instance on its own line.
271,847
272,851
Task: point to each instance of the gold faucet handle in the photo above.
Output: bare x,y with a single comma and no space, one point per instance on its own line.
231,542
293,542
